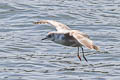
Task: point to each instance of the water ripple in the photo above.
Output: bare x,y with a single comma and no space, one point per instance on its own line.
24,56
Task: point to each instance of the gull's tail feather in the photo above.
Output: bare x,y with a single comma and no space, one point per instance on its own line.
96,47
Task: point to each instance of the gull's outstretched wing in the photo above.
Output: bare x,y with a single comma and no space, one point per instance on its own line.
83,39
59,26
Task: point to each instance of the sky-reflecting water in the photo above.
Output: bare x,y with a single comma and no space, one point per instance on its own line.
23,56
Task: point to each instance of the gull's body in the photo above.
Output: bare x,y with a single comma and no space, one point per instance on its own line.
68,37
64,39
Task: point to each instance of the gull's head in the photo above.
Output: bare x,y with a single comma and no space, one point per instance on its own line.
50,36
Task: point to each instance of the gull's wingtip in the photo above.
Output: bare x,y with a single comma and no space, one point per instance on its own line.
36,22
41,22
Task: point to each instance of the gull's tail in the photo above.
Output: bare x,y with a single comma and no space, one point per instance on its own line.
95,47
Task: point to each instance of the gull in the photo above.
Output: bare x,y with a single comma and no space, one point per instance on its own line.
68,37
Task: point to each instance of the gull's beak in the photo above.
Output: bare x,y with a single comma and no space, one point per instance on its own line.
44,38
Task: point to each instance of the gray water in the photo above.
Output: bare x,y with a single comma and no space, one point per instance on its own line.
23,56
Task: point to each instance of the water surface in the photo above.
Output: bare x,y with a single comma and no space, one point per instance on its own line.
23,56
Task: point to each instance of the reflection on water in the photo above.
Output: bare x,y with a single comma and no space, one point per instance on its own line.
23,56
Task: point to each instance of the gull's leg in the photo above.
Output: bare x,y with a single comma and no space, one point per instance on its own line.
78,55
84,55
